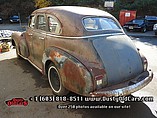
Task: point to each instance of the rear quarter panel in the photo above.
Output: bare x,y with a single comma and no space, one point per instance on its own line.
75,76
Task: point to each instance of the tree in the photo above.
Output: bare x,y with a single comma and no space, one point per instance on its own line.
92,3
42,3
143,7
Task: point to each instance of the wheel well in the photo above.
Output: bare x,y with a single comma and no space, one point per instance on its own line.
47,65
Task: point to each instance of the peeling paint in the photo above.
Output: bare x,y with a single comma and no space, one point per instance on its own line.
90,63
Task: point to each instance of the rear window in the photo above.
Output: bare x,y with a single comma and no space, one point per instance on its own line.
15,17
32,22
138,21
100,23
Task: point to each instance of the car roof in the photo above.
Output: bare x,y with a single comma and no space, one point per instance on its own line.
14,16
71,18
74,10
151,17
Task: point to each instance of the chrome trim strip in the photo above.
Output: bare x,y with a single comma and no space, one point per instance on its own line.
81,37
40,70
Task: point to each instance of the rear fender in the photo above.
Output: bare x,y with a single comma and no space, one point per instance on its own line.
75,76
20,43
16,36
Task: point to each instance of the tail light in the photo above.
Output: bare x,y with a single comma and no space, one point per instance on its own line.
99,81
145,63
144,60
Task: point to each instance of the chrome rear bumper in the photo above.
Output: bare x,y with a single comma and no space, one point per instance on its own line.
125,88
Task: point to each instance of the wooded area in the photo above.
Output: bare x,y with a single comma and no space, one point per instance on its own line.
25,7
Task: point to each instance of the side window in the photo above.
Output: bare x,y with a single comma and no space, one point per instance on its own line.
41,22
32,22
53,25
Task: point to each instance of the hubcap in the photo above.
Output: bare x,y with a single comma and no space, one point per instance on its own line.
54,79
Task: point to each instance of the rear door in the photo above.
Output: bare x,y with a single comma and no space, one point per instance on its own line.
39,37
29,36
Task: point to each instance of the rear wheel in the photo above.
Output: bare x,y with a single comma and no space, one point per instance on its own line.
55,81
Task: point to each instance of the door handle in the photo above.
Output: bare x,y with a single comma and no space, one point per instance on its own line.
42,38
30,34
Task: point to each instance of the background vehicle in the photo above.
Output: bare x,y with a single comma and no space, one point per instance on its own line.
1,20
137,25
151,21
14,19
83,50
155,29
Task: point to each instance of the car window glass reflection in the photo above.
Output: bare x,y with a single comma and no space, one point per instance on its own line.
54,26
90,23
32,22
138,21
41,22
98,23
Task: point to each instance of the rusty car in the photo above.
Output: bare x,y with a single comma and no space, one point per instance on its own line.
82,50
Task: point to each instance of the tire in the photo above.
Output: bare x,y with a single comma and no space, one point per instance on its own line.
55,81
144,29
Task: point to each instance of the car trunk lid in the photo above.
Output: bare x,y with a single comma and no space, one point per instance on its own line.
120,58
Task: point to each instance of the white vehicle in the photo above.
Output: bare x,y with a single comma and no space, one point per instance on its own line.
155,29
